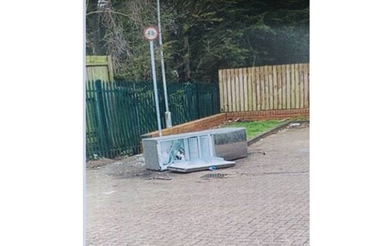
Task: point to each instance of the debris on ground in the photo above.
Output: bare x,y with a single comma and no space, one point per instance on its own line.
213,168
132,161
298,125
294,124
163,176
214,175
99,162
158,176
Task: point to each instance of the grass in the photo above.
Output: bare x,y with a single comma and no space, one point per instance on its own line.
254,128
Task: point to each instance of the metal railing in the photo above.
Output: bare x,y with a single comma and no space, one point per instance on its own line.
119,112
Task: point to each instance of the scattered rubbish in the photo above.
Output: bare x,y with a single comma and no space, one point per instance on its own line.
199,165
214,175
195,151
109,192
212,168
163,176
294,124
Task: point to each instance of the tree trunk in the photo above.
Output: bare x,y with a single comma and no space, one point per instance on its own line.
96,46
187,58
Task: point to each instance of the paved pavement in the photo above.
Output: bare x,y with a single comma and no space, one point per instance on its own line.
263,200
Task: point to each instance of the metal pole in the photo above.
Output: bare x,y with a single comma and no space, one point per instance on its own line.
167,113
154,79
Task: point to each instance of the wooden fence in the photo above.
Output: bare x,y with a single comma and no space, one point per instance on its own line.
99,68
264,88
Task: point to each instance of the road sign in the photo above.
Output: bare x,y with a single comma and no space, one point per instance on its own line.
151,33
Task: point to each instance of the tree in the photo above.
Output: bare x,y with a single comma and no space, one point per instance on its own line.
201,36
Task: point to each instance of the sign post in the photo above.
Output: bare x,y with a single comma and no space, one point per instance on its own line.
151,33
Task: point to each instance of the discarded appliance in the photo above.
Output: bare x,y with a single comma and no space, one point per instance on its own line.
230,143
195,151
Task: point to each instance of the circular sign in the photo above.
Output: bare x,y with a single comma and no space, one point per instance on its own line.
150,33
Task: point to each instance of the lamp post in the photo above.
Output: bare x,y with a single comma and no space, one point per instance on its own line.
167,113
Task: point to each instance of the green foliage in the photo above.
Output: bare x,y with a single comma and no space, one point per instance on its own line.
254,128
201,36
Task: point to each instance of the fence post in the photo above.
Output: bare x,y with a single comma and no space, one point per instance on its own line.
216,99
102,121
197,100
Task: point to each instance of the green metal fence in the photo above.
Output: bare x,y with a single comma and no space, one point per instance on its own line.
118,113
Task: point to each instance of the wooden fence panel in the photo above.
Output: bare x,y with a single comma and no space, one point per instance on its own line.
284,87
279,78
225,93
237,90
270,92
301,84
221,90
233,84
234,91
297,91
241,85
275,88
288,89
258,90
264,88
293,85
245,72
229,90
99,68
249,88
254,92
306,86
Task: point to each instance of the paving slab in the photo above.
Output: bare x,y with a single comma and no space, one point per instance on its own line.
263,200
